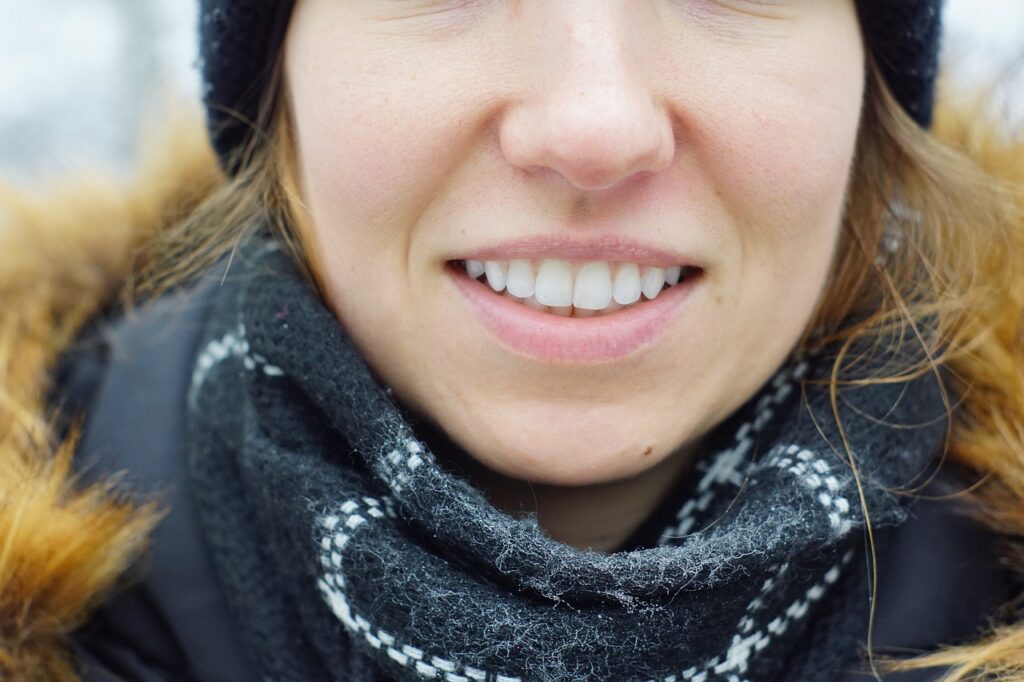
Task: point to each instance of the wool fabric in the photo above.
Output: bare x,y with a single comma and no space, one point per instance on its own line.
239,41
350,548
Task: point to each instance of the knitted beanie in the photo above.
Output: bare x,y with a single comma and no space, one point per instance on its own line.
239,41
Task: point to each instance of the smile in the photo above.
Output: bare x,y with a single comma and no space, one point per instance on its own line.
563,311
571,289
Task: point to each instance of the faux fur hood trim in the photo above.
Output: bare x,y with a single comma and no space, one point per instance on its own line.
65,254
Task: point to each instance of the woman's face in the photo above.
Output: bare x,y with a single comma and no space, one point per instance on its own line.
578,145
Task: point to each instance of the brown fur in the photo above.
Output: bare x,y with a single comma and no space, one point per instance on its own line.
65,253
69,251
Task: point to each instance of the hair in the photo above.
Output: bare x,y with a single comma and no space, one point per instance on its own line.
931,250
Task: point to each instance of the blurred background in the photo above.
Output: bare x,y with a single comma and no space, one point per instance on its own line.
79,76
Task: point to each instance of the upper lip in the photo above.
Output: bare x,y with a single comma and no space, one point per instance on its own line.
609,248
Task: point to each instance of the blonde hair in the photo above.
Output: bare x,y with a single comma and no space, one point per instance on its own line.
931,249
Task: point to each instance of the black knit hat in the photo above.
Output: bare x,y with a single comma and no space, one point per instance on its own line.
239,39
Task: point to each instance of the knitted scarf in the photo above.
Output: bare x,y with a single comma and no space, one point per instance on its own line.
349,552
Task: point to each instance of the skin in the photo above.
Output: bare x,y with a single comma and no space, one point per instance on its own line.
724,129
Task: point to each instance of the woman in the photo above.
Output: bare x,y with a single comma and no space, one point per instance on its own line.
528,341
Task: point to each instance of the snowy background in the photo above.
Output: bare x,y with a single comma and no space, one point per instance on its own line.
77,76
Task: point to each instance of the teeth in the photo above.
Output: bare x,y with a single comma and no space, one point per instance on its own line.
651,281
520,278
627,284
593,290
496,272
570,289
534,303
554,283
475,268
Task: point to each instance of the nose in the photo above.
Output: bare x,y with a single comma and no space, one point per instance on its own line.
593,117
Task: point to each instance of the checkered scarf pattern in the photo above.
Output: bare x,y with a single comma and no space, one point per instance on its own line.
348,552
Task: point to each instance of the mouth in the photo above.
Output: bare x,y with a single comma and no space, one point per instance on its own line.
569,289
574,311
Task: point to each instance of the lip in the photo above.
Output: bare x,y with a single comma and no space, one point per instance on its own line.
610,248
551,338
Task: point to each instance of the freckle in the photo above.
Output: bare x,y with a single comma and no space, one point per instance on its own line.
648,450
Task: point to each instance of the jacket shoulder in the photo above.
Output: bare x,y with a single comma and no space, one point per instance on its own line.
129,377
940,580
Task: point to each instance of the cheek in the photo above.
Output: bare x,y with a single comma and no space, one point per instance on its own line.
371,159
782,170
359,144
376,131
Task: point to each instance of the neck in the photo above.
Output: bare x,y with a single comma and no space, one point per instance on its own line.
599,517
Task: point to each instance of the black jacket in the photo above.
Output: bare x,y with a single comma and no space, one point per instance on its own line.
939,579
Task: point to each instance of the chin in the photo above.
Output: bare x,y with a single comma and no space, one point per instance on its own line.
574,459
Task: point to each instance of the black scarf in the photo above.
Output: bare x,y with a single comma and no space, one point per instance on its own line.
349,552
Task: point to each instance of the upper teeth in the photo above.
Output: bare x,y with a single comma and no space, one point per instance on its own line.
589,286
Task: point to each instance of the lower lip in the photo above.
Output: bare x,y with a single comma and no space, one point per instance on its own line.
546,336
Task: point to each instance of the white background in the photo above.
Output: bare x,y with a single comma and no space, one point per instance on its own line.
76,75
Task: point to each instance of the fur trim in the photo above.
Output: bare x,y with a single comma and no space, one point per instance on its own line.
65,254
